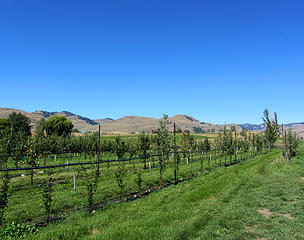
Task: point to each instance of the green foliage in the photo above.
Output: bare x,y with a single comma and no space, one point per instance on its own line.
47,196
292,142
17,231
244,132
138,179
144,143
19,124
162,146
244,145
272,129
4,139
14,133
144,146
40,128
131,147
259,143
120,147
4,126
206,145
232,129
120,173
91,187
225,142
58,126
187,142
4,196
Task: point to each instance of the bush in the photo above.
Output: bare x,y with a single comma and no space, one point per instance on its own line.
291,144
17,231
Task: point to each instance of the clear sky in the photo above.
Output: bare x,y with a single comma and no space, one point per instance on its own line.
218,61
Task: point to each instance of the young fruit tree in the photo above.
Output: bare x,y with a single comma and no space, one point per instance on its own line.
291,144
144,146
272,129
120,174
47,197
91,187
162,146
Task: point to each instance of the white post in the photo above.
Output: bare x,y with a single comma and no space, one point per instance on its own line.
74,180
187,161
55,157
150,166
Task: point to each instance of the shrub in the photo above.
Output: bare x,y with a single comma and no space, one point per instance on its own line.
17,231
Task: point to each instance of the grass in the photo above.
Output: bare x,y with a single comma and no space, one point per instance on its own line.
25,204
222,204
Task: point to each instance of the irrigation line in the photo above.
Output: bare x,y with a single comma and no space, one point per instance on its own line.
132,196
88,163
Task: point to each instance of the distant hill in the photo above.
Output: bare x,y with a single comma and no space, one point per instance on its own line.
34,118
253,127
124,125
76,119
79,122
136,124
296,127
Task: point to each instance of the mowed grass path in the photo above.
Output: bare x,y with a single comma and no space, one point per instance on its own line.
222,204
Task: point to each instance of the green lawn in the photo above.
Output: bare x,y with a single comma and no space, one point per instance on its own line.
222,204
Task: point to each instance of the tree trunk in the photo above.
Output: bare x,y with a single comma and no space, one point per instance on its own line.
160,178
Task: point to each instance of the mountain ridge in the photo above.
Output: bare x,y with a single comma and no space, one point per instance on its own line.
138,124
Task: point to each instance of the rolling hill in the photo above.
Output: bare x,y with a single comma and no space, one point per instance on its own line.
137,124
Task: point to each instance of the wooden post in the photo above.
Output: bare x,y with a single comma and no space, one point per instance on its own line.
283,141
235,156
46,145
98,150
175,171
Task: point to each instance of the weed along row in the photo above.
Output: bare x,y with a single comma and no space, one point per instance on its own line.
47,185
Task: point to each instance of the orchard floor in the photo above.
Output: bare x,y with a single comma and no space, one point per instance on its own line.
261,198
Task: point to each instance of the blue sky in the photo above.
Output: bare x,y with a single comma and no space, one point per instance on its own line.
218,61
